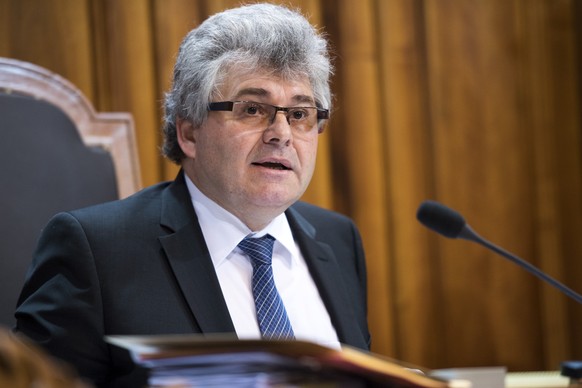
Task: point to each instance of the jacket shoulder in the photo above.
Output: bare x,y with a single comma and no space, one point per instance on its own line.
318,215
135,204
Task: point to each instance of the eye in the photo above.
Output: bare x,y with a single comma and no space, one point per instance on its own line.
298,114
251,109
254,109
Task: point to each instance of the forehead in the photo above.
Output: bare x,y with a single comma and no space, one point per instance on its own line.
265,86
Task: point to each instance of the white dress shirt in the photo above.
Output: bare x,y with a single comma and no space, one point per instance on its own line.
222,233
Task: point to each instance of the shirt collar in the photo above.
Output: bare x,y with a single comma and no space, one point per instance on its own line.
223,231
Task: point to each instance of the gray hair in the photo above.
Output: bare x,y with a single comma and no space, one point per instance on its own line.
258,37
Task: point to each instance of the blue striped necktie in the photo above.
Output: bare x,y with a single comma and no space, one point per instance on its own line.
271,314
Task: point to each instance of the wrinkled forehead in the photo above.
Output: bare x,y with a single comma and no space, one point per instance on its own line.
240,83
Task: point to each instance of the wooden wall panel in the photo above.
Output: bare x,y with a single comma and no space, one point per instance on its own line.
551,100
54,34
405,121
358,112
131,75
172,20
481,169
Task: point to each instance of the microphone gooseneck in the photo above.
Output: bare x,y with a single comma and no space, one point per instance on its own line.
451,224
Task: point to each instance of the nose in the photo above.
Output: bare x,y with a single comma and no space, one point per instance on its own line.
279,131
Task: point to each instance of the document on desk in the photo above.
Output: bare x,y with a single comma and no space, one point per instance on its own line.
480,377
196,360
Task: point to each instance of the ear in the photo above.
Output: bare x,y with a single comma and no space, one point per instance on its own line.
185,133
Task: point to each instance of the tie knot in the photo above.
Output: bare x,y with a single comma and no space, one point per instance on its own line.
260,250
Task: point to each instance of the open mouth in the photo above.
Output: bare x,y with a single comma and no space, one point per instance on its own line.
273,165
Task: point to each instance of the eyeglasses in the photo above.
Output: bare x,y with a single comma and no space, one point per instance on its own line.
300,118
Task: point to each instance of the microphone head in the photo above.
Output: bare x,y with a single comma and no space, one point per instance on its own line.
440,219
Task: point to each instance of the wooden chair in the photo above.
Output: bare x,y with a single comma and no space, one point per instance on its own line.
56,154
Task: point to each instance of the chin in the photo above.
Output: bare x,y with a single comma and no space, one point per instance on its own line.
276,200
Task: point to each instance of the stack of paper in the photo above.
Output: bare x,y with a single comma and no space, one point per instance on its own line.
192,360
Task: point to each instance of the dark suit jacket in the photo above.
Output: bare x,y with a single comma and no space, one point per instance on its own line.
141,266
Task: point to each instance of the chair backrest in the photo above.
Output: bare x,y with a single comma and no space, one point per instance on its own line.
56,154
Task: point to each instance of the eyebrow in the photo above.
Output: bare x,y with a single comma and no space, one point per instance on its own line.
260,92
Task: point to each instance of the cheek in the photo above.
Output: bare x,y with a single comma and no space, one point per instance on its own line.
307,152
227,153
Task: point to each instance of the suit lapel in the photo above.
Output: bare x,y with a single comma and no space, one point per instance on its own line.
190,260
192,266
325,270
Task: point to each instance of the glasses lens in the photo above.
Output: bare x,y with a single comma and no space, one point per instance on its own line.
302,118
251,113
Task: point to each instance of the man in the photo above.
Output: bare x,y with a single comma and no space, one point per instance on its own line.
249,99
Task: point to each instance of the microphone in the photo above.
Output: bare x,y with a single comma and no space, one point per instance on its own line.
451,224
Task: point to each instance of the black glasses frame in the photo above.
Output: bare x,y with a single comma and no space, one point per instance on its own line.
228,106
